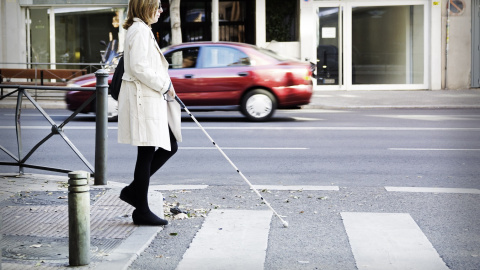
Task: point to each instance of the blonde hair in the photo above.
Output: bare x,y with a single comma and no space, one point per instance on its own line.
142,9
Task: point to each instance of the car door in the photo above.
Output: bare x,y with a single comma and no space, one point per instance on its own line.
222,75
182,70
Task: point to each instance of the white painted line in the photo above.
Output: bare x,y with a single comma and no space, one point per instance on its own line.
229,239
431,117
389,241
275,128
337,128
177,187
432,149
434,190
306,111
245,148
275,187
307,119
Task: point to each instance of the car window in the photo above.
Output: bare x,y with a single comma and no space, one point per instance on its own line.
214,56
183,58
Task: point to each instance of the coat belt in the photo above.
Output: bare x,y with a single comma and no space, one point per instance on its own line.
142,122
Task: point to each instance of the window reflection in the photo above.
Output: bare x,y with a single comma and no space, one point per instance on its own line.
223,57
184,58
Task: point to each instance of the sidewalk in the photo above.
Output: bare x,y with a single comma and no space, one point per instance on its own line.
438,99
34,212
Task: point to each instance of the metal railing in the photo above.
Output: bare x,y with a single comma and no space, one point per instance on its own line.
91,67
101,91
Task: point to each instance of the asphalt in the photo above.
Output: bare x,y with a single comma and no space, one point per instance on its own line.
34,207
428,99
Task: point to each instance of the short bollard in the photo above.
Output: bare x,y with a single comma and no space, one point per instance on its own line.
0,242
78,218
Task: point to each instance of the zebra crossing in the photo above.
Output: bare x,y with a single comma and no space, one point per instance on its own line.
238,239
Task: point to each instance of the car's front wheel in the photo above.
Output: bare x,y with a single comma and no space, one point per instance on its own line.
258,105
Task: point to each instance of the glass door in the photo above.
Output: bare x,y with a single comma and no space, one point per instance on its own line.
329,46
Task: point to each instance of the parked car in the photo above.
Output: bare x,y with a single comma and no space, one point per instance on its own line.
220,75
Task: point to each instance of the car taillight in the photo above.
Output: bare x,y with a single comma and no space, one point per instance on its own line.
308,76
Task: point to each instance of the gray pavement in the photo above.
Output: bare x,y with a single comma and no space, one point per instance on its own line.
34,211
466,98
35,214
396,99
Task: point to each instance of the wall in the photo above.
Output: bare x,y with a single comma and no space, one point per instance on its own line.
286,49
12,33
457,74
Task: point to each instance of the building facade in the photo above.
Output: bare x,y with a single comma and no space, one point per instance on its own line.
356,44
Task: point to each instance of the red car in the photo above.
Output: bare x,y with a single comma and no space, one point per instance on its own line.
224,74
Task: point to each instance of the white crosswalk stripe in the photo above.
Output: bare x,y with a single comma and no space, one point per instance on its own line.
389,241
229,239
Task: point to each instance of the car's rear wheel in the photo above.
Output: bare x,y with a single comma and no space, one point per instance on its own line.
258,105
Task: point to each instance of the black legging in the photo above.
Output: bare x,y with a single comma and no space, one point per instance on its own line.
148,162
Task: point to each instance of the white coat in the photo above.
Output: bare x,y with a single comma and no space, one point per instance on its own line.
143,113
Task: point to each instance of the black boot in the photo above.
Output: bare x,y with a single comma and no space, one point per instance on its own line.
127,196
147,218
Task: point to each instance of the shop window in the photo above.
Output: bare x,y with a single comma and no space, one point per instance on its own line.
281,20
232,21
79,33
388,45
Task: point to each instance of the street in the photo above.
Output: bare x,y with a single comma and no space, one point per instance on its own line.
340,166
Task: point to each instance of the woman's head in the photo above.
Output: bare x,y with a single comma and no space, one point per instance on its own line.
146,10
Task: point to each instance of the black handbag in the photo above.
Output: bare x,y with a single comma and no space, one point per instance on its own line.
114,87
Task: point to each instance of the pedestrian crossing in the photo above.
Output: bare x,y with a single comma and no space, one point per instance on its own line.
238,239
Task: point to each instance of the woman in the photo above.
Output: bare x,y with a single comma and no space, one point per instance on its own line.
148,117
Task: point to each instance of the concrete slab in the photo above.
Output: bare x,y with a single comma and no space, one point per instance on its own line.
229,239
389,241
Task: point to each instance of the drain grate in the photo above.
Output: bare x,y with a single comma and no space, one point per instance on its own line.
43,251
110,218
53,250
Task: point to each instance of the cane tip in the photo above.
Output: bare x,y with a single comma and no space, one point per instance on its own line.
285,224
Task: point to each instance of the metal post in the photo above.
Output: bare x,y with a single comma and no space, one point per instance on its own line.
101,135
18,112
78,218
0,242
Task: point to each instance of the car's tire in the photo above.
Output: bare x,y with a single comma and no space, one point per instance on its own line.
258,105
